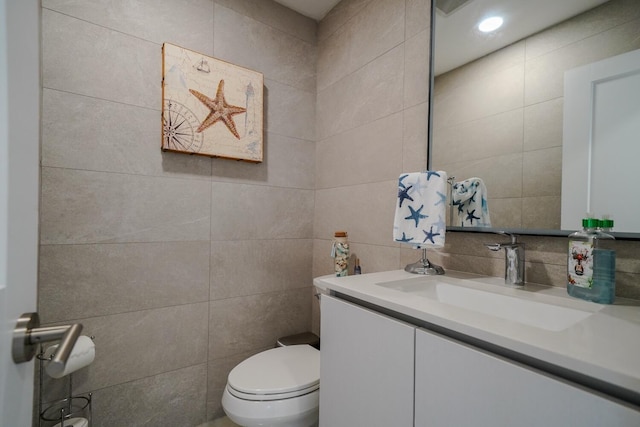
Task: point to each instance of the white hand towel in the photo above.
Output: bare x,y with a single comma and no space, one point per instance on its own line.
421,209
470,206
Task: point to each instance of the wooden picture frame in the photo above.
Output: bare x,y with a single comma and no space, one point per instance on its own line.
210,107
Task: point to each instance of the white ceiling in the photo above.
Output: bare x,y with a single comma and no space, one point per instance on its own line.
316,9
457,40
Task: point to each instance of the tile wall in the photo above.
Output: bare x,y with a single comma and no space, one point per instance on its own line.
358,162
500,117
180,266
372,109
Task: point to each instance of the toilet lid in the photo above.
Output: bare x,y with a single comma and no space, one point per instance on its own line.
278,371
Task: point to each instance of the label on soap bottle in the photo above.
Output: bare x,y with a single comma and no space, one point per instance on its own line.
580,265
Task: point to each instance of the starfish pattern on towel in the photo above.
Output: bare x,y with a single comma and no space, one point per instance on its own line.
400,183
471,216
429,235
432,173
404,239
416,214
404,194
219,110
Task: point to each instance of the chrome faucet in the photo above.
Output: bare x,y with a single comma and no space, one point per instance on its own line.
513,259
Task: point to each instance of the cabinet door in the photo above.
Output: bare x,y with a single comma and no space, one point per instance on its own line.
366,367
460,385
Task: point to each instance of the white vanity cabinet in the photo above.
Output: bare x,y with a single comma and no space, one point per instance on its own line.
378,371
366,367
460,385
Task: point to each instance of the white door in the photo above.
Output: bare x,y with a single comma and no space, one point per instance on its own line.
19,189
600,147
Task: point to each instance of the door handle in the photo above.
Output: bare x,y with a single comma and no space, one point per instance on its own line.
28,334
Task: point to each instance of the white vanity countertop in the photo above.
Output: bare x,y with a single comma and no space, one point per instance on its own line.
605,345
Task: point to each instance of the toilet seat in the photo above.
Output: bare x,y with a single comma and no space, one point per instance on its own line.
276,374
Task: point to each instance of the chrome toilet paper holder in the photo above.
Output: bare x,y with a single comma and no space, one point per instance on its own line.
27,335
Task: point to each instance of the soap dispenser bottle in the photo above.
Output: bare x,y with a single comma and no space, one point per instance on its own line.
591,263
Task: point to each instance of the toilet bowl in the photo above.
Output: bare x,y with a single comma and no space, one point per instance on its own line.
277,387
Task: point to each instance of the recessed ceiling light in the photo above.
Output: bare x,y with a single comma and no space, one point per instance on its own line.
490,24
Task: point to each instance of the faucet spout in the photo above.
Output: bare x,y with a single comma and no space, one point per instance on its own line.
513,260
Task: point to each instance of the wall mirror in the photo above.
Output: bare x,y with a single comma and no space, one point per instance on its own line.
498,98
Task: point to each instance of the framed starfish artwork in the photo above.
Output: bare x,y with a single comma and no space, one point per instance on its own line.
210,107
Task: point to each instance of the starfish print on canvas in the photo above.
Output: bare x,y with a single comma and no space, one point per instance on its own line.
220,110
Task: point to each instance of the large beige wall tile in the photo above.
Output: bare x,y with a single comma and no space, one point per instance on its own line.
92,207
368,153
546,274
416,69
543,125
628,254
88,59
351,102
275,15
288,162
77,281
135,345
89,143
503,59
365,211
145,294
279,56
289,111
597,20
339,16
377,28
333,57
238,325
477,264
546,250
374,258
173,398
241,211
542,172
545,74
188,24
415,138
487,137
248,267
497,93
506,213
418,17
542,212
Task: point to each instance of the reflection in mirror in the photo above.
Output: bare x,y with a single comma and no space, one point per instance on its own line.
498,114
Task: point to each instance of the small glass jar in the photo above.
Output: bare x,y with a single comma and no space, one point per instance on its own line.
340,253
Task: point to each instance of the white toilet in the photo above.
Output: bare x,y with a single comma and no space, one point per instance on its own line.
277,387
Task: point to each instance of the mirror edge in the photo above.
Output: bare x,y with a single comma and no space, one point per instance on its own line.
520,231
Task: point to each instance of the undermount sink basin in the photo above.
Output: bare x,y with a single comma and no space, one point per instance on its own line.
470,295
